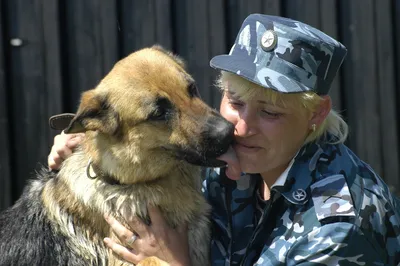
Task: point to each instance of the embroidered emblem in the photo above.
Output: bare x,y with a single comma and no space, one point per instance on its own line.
299,194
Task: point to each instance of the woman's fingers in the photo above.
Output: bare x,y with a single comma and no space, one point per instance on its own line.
62,151
122,233
51,163
122,252
75,140
56,157
62,148
158,239
127,237
65,143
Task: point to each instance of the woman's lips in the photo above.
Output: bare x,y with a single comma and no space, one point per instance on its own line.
241,147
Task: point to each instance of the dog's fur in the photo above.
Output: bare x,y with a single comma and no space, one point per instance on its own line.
147,134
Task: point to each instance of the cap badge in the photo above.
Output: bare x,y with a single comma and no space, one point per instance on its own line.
299,194
269,40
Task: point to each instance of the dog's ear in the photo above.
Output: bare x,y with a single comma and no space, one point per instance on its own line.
94,113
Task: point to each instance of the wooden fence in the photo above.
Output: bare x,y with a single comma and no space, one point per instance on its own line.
52,50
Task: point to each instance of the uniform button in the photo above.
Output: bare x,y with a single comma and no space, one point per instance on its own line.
269,40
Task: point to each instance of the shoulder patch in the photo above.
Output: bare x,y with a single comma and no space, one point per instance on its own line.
331,197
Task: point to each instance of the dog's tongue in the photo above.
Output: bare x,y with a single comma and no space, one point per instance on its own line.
233,170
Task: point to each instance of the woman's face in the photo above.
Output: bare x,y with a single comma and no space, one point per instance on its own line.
267,135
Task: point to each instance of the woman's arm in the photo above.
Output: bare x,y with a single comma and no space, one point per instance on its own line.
338,243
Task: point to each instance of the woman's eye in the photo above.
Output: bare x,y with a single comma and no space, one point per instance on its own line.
271,114
236,103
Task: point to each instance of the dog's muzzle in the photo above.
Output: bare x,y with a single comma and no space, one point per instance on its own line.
216,137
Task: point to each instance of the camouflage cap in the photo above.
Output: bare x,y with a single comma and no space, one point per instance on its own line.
283,54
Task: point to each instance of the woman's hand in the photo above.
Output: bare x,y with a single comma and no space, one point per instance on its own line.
62,148
157,240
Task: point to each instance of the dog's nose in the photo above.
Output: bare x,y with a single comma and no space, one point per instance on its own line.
217,134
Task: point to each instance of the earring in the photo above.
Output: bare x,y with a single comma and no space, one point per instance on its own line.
313,127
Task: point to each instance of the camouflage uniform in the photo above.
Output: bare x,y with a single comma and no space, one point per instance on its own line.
332,210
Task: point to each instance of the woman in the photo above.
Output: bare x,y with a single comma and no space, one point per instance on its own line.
303,197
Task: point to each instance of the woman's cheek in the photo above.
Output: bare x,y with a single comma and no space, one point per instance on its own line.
229,113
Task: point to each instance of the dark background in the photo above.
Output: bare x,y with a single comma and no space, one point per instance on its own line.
52,50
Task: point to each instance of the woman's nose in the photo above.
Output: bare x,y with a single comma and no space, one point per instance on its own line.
245,126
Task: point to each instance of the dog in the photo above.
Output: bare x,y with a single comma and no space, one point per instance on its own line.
148,133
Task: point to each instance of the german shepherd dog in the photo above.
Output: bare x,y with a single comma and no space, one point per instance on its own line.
147,135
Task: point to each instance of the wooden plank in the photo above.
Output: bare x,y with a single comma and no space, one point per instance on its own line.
108,29
91,45
272,7
28,91
192,41
145,23
233,20
52,64
396,20
396,25
5,153
329,25
245,8
360,81
237,11
217,45
306,11
387,93
163,23
138,26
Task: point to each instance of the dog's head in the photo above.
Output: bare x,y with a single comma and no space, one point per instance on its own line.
146,118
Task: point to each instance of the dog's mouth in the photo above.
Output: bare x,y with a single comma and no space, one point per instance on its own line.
195,157
214,139
200,160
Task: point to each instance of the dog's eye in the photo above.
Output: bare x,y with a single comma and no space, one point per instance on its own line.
159,114
163,108
193,90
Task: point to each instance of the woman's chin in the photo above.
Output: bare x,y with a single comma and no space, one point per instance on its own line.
251,162
247,166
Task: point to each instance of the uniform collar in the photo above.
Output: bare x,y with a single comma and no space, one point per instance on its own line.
296,188
280,182
293,184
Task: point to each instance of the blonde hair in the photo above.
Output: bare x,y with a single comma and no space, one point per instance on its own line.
333,124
